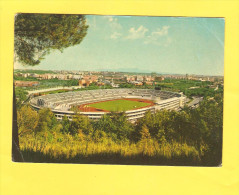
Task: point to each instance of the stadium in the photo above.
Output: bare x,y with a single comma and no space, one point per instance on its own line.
95,103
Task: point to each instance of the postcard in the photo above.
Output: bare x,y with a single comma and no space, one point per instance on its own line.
108,89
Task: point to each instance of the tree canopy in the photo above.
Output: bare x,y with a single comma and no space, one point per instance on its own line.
37,34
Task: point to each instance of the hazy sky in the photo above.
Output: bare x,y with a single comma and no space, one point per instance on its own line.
161,44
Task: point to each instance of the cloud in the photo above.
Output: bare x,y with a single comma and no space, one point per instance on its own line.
159,37
113,22
115,35
161,32
137,33
111,18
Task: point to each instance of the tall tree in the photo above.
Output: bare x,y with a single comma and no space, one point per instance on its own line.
82,123
35,36
47,120
27,120
65,124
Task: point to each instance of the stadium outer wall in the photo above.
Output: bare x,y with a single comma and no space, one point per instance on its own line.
162,99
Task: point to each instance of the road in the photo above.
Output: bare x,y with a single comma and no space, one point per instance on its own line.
195,101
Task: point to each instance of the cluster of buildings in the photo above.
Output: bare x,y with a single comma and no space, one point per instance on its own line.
197,77
99,78
26,83
47,76
87,80
102,78
140,80
116,79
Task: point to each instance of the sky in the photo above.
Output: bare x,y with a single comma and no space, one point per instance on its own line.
176,45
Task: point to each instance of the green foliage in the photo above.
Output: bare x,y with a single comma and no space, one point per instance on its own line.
105,124
181,85
185,85
56,82
33,71
37,34
115,125
160,121
211,121
82,123
126,85
92,87
203,92
73,82
48,83
19,78
123,128
54,91
21,96
130,85
145,133
192,136
99,136
74,150
47,121
27,120
65,125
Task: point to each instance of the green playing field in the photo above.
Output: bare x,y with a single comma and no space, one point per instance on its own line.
119,105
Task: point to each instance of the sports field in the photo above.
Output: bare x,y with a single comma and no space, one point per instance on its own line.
119,105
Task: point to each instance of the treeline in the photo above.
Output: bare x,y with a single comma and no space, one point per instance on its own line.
130,85
189,137
48,82
21,96
181,85
33,71
20,78
203,92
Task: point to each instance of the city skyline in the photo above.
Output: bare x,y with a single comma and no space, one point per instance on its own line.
111,71
167,45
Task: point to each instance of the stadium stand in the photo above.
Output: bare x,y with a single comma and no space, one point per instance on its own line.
61,103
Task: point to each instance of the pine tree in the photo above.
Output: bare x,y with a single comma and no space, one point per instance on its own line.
36,35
